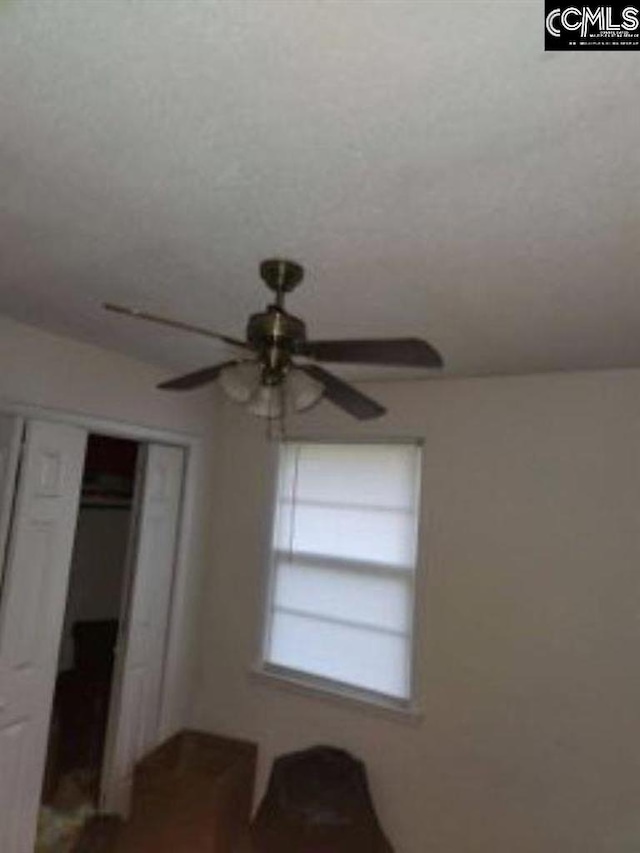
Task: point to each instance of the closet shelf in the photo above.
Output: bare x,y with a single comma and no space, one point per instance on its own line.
97,501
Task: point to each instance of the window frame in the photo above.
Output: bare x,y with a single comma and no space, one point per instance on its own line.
319,686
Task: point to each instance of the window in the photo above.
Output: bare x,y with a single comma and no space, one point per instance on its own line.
341,599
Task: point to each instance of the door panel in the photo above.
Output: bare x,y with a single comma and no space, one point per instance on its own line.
11,429
31,614
134,715
14,749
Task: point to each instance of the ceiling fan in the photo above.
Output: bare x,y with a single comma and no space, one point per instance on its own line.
265,375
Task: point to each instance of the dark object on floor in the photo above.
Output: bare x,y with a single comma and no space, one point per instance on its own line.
100,835
193,794
317,801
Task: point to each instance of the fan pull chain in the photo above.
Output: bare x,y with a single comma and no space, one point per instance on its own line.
277,426
294,495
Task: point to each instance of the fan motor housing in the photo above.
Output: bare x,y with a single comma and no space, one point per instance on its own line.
275,327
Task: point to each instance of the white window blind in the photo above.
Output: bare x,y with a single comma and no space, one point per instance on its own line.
343,564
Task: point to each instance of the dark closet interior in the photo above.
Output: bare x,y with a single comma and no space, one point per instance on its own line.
96,591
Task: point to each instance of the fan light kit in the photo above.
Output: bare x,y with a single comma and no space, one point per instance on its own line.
266,378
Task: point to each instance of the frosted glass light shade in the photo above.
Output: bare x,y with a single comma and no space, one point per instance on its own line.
266,402
241,381
302,392
297,392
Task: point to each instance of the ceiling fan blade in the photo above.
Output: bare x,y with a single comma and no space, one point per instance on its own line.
175,324
343,395
195,379
394,352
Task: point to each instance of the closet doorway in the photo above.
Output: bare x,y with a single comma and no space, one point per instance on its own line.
43,630
95,607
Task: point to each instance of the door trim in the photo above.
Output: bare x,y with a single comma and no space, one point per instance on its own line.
104,426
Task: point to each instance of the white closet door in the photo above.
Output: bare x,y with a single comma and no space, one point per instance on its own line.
31,613
135,705
11,428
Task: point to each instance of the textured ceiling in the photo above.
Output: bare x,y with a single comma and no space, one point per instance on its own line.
437,172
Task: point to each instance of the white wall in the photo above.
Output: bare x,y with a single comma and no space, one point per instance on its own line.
58,373
530,622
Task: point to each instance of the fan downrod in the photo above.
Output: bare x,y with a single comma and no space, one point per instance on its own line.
281,275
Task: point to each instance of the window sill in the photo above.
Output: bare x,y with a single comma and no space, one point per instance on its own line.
337,694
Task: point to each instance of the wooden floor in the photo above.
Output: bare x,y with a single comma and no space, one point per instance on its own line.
192,794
